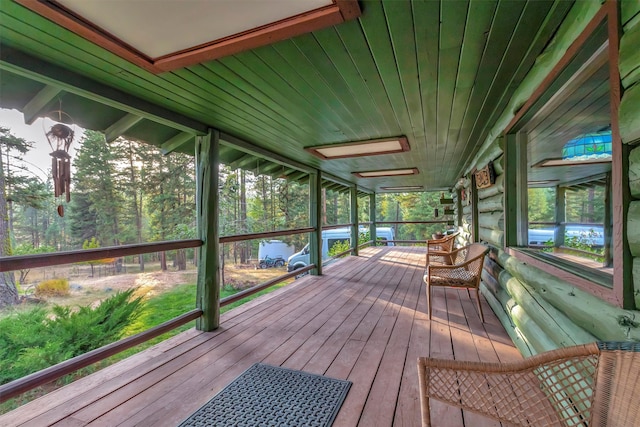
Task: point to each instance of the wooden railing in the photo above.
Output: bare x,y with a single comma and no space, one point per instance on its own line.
12,263
14,388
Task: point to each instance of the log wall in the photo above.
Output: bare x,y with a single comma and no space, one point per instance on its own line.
540,311
629,117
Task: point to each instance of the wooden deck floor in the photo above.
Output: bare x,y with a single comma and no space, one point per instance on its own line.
364,321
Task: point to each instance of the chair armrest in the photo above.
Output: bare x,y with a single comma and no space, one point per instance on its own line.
547,389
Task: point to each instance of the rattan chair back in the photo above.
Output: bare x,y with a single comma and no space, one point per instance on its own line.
596,384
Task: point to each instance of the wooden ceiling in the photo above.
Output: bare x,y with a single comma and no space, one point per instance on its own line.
438,72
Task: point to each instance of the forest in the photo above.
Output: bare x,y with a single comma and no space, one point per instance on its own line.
127,192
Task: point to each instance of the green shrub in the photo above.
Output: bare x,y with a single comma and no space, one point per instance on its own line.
52,288
339,247
35,339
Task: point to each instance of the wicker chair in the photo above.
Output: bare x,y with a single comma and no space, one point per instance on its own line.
439,249
462,270
596,384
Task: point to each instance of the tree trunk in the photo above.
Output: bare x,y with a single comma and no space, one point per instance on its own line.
243,215
8,289
181,259
163,261
137,206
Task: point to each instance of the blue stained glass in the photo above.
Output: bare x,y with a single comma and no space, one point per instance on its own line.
589,146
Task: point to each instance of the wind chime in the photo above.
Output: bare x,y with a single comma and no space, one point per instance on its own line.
60,137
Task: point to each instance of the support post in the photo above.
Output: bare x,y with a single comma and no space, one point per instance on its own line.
475,214
607,226
558,238
515,190
207,204
372,218
355,228
315,219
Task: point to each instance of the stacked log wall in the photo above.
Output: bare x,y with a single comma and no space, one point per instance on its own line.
629,116
465,224
540,311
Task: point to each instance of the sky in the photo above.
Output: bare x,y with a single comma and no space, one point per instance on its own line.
38,157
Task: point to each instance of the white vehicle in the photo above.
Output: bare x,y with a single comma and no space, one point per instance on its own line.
275,249
589,234
331,237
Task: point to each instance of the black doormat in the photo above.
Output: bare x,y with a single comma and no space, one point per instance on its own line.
267,395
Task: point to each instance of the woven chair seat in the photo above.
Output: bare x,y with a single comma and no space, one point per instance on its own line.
461,269
459,278
584,385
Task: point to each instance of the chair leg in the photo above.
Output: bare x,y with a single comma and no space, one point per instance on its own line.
429,301
479,305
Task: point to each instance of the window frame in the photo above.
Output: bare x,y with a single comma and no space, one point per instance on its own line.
619,292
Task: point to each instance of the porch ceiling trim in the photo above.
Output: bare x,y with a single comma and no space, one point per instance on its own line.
25,65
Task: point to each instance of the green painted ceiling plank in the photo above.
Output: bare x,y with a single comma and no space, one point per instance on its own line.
377,36
21,64
177,141
88,58
269,88
333,126
548,27
426,16
400,22
507,18
121,126
106,71
628,10
35,107
235,108
361,54
453,21
336,86
47,66
338,55
478,24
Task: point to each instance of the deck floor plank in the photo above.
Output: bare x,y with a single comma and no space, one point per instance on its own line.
364,320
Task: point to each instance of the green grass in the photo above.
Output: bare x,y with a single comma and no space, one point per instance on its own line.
156,310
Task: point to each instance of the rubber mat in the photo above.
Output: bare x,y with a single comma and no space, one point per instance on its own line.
267,395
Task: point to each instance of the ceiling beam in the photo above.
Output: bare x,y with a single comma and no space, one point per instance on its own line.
242,162
296,176
120,127
249,148
14,61
174,143
268,168
35,107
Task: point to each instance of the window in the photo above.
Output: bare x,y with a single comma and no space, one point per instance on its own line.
563,144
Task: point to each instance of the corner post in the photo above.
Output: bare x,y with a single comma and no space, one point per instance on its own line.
355,228
560,216
372,218
315,219
207,158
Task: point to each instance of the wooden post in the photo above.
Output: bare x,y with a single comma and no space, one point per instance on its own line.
621,196
558,238
606,227
475,226
515,190
372,218
459,208
355,229
315,216
207,203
